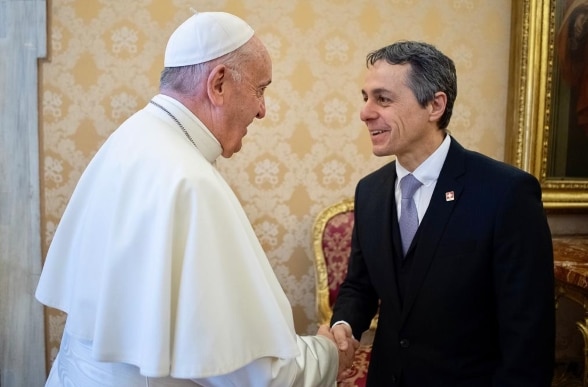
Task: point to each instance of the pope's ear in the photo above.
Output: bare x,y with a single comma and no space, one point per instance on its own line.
216,84
437,106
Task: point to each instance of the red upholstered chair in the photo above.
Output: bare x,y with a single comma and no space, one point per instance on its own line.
331,236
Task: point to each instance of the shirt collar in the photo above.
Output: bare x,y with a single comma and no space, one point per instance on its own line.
205,141
429,170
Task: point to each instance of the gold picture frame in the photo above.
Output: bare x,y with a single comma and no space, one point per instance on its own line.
536,94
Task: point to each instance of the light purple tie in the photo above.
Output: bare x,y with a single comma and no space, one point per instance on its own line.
409,218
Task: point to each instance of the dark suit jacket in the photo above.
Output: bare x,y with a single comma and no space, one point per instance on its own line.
478,302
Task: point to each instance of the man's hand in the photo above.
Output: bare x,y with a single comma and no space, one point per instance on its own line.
342,334
347,346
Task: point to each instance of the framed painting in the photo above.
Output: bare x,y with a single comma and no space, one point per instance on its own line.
547,122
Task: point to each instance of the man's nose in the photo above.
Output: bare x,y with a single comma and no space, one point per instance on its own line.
366,112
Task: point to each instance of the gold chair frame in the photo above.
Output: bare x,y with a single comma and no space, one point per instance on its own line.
324,308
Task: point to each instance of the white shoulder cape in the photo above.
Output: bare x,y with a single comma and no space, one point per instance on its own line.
156,263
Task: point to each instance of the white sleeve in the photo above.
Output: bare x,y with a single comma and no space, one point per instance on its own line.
317,365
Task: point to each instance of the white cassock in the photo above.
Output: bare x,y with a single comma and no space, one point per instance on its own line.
162,276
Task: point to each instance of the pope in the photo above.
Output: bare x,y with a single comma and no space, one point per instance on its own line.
154,261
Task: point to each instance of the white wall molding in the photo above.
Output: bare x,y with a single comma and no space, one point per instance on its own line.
23,40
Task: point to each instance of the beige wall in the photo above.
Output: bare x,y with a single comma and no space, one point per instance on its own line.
104,63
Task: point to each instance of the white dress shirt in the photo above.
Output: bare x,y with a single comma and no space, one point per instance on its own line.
427,173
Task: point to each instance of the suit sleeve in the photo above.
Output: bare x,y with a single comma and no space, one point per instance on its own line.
317,365
524,287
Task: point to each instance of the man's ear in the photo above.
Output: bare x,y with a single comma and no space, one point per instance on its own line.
437,106
216,84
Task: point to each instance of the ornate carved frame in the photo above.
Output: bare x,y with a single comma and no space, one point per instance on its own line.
324,308
529,126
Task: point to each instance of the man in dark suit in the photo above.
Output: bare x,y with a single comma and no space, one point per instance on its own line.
471,301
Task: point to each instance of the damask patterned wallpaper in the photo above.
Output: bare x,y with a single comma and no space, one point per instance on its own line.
104,61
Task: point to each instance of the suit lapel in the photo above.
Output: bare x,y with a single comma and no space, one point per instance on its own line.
392,221
386,241
445,196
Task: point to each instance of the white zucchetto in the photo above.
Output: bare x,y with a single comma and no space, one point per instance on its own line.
206,36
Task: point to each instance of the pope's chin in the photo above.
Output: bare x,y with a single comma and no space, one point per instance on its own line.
228,152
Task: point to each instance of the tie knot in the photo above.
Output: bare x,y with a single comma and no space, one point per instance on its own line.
408,186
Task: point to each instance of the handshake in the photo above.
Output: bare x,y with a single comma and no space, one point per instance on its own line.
341,335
